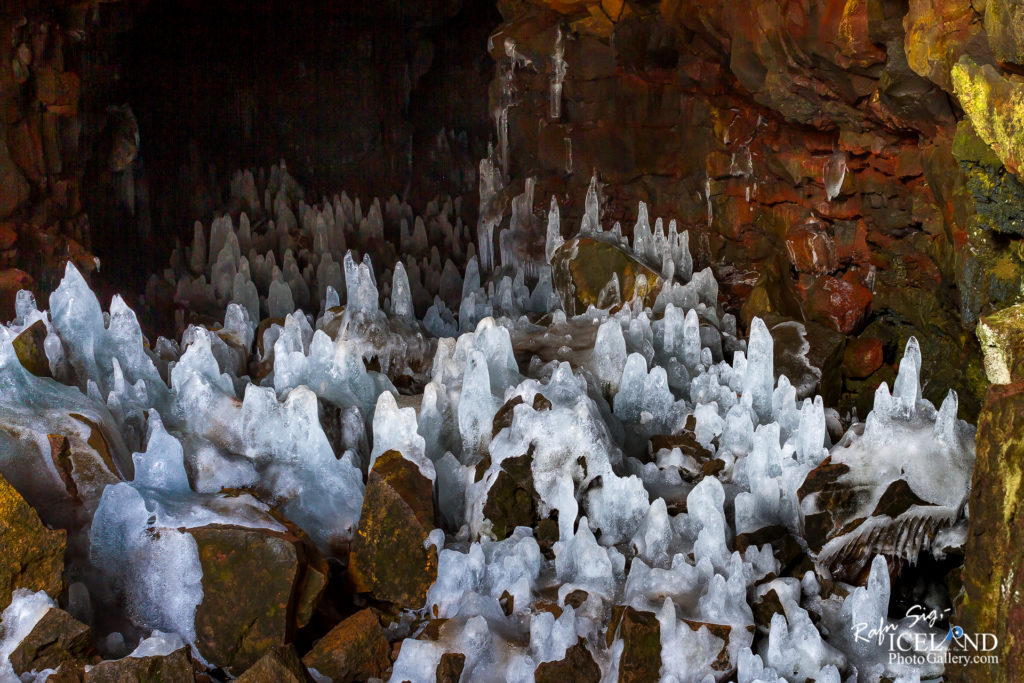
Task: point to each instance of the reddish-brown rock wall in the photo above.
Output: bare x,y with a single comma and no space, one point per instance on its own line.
815,137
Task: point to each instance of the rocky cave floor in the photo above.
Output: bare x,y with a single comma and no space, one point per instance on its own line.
581,472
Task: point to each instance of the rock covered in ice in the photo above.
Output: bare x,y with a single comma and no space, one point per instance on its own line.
17,621
900,477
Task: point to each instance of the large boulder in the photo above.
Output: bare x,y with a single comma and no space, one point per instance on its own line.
993,573
391,558
33,555
992,100
938,33
259,587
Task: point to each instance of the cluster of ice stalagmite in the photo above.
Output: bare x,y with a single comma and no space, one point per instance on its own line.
296,415
275,253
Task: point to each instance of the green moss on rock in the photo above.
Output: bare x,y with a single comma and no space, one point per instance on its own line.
993,573
995,104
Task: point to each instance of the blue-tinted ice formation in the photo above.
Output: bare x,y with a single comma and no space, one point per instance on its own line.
295,410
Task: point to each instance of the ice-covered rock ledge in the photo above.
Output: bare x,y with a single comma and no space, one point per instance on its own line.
586,475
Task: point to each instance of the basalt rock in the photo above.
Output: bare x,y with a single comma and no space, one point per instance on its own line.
640,633
354,650
862,357
938,34
1004,27
29,345
512,499
390,557
57,638
280,665
992,100
840,303
282,576
176,666
449,669
577,665
33,555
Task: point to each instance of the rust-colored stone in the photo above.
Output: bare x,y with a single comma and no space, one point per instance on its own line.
253,588
280,665
57,638
840,303
354,650
641,636
577,665
862,357
389,556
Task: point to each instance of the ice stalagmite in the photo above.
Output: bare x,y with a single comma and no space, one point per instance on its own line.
634,473
554,233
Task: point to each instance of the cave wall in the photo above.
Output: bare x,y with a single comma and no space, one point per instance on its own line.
125,120
738,118
55,77
122,121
